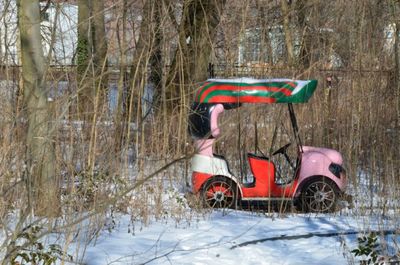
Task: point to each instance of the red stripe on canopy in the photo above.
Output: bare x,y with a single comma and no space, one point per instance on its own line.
241,99
285,91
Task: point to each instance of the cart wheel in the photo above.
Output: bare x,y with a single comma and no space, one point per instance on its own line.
219,192
319,196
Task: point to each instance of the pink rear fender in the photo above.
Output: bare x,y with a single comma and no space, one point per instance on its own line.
316,161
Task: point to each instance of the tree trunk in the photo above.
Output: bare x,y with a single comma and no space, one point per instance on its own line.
395,8
204,19
266,48
138,71
156,62
397,64
91,58
99,52
197,32
122,81
288,32
84,61
303,29
40,153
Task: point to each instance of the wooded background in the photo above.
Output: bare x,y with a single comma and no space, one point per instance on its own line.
95,93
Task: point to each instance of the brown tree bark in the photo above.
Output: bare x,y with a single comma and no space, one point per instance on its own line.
288,32
85,93
156,58
40,154
99,51
197,32
100,83
396,22
91,58
306,41
138,69
204,17
122,81
266,48
397,58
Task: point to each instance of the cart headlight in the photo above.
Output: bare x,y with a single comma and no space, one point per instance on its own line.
336,169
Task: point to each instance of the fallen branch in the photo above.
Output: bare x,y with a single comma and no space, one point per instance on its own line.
309,235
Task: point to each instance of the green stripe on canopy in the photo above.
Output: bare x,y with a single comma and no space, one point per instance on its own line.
281,90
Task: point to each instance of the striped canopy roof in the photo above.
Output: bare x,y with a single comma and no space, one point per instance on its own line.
247,90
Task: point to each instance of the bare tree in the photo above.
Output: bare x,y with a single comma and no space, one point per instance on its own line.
286,14
395,9
40,157
197,31
100,50
168,43
91,57
84,56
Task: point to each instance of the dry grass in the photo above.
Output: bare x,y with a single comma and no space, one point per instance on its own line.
356,114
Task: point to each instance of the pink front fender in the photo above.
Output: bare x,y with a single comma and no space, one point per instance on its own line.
315,162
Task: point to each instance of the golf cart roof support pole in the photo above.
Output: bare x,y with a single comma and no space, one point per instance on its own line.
294,126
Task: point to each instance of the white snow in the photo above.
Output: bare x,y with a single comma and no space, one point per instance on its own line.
217,239
232,237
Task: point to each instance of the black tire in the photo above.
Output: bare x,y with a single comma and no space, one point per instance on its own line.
319,196
219,192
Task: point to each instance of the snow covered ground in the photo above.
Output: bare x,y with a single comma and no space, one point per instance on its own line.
236,237
243,237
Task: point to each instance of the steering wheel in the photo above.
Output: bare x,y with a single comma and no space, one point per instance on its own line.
282,150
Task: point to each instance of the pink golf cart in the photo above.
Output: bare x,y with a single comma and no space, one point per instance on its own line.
318,179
